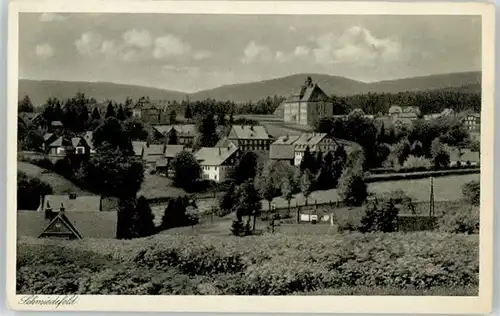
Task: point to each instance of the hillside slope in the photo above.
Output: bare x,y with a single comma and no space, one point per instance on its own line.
40,91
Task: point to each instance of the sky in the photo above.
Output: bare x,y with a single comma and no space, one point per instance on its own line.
191,53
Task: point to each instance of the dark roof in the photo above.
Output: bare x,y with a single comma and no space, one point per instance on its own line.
308,92
172,150
183,130
281,151
87,224
85,203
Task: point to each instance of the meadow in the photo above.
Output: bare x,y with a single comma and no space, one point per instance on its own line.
59,184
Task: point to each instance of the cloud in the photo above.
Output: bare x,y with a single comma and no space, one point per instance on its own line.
89,44
301,51
292,28
44,51
202,54
141,39
170,46
255,52
52,17
356,45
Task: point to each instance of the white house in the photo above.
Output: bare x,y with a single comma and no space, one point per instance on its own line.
217,162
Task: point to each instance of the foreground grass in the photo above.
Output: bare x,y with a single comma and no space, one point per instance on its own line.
279,264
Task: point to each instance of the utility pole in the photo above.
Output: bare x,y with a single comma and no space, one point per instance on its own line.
431,199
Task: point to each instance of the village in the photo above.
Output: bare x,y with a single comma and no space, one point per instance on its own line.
294,136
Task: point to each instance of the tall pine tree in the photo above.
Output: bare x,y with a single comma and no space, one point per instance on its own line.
110,110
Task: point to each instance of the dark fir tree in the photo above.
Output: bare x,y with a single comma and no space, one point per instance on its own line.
120,114
172,117
110,110
188,114
25,105
172,137
146,218
246,168
95,114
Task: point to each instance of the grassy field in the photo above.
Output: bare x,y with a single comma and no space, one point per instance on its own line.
60,185
155,186
272,264
445,189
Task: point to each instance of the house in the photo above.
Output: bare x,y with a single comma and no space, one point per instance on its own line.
307,105
217,163
316,142
472,122
138,147
56,127
163,165
63,146
48,138
404,112
464,157
185,133
250,137
71,202
147,111
89,138
151,153
67,223
283,149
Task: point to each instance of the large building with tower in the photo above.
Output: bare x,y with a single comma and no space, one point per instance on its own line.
308,105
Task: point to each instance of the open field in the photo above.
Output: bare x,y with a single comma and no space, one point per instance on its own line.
272,264
155,186
445,189
59,184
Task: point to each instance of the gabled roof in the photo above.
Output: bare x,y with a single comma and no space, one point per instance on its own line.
308,92
282,151
286,140
85,203
61,225
87,224
225,143
309,139
214,156
248,132
144,104
153,151
89,138
172,150
47,136
59,142
78,141
184,130
28,117
56,123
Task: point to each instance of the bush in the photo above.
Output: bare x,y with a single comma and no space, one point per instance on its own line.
417,163
380,216
270,264
352,188
471,192
29,191
460,222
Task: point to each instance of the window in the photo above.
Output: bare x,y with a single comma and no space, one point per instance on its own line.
80,150
60,150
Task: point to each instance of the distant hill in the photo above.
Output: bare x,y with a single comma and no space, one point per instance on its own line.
468,82
40,91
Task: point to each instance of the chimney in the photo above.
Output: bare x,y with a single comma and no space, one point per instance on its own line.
48,211
220,153
62,208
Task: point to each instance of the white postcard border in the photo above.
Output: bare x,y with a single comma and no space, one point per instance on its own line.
267,304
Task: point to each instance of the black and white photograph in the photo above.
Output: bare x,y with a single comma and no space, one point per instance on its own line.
248,155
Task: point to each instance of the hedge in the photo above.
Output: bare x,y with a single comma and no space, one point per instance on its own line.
257,265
